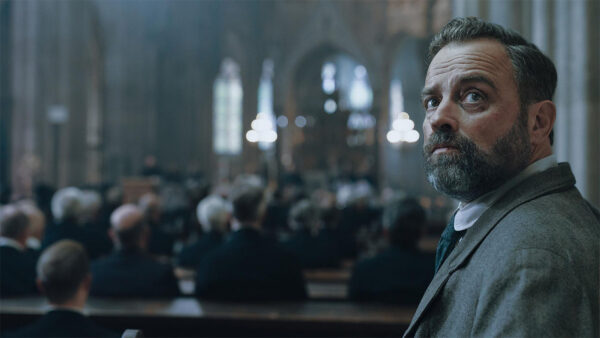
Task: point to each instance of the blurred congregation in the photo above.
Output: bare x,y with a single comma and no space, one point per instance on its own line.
239,168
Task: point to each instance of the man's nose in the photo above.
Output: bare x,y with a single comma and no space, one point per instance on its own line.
445,116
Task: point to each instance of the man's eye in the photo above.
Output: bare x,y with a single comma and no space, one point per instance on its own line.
473,97
431,103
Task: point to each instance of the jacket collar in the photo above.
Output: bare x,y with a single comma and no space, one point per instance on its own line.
551,180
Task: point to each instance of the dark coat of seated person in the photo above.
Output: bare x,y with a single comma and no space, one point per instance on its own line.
213,214
67,214
311,251
130,271
400,273
248,266
17,264
160,242
64,278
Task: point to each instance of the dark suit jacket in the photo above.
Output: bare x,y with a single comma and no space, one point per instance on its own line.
93,242
63,323
528,267
17,272
396,275
249,267
191,255
132,274
160,242
312,252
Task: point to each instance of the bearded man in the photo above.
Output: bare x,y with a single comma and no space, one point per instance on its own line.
520,257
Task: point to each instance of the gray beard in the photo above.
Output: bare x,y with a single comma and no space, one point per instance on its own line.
472,172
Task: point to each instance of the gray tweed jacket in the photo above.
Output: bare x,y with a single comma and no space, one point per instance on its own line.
529,267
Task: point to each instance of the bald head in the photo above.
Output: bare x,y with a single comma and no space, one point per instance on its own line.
128,229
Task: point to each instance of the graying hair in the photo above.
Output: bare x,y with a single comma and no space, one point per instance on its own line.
534,72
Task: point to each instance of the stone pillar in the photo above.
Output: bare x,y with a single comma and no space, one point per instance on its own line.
24,88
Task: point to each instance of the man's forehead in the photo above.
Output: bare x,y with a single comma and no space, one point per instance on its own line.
482,56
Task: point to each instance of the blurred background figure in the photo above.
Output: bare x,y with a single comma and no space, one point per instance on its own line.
311,251
160,242
130,271
63,276
400,273
214,214
67,208
37,224
358,217
249,266
17,270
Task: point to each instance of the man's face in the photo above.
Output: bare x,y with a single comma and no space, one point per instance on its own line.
476,135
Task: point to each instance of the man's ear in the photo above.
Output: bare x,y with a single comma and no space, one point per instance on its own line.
39,285
112,235
87,282
542,116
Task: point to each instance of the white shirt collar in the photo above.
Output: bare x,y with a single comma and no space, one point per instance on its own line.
468,213
33,243
5,241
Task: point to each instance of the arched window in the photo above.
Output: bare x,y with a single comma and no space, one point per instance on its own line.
227,110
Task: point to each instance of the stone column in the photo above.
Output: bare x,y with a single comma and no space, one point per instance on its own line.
24,88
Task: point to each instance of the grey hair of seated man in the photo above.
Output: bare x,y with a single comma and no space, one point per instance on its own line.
213,213
303,215
66,204
14,223
128,227
63,273
90,204
37,220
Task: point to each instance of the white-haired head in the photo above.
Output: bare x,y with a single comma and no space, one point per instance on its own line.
91,202
66,203
128,229
213,213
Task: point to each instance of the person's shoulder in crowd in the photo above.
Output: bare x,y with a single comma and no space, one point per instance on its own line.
249,267
395,275
191,255
17,272
63,323
132,274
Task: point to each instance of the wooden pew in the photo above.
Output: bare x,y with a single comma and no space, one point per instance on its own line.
190,317
320,284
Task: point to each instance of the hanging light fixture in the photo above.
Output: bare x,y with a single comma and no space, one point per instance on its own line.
403,130
264,126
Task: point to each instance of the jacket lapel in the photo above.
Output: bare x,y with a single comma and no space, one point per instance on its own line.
556,178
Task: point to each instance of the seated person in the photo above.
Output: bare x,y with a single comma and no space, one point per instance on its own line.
400,273
64,278
17,268
213,214
67,213
249,266
130,271
37,224
160,242
312,252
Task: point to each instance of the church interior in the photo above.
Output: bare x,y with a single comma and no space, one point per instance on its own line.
167,105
